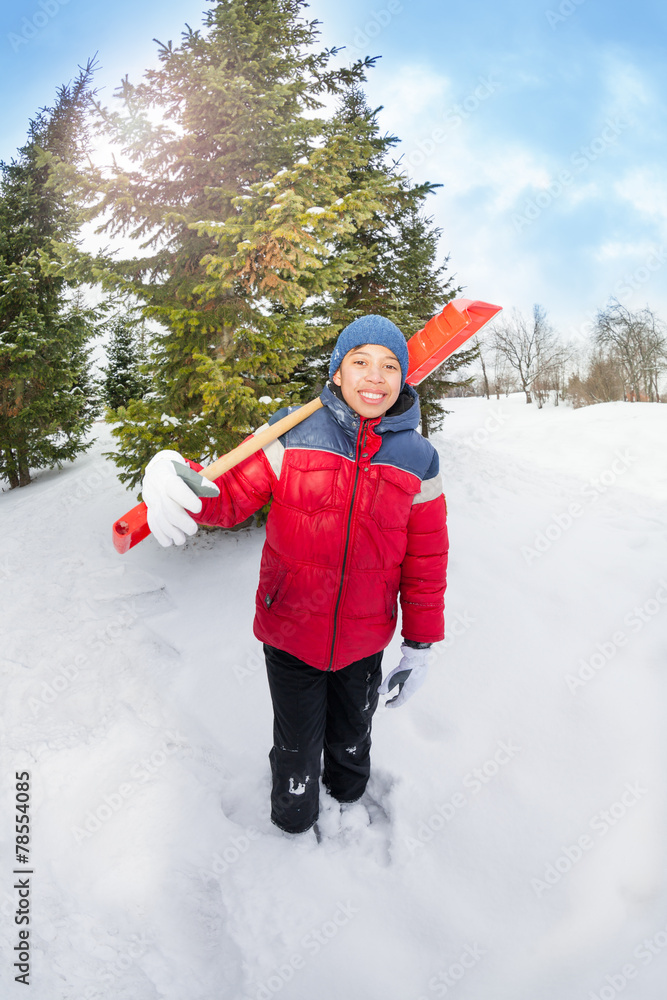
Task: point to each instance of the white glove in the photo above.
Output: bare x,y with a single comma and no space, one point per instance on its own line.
168,498
409,675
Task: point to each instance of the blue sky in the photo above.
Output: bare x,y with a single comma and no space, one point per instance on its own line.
545,122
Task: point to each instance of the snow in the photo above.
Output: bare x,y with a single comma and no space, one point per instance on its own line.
511,845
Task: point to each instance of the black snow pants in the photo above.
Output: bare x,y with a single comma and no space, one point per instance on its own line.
314,711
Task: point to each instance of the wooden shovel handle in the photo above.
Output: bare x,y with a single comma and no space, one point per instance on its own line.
427,349
253,444
132,527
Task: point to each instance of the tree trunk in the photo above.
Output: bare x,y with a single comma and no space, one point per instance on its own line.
24,471
12,471
484,375
424,425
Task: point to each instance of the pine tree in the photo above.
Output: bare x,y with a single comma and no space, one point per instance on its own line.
239,192
372,243
125,377
418,290
400,278
47,400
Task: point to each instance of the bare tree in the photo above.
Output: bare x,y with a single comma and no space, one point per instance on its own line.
475,341
494,375
533,351
553,377
600,382
504,378
636,343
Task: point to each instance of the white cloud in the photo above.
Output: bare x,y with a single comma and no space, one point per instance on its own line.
618,250
646,190
627,87
444,139
580,193
505,172
415,90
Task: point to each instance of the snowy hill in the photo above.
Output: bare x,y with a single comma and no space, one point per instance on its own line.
518,803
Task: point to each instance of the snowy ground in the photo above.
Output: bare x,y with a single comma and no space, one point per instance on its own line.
518,805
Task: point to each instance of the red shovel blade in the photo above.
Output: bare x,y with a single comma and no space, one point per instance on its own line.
441,336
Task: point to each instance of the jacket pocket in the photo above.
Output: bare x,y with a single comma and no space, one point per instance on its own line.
275,590
391,601
393,498
309,480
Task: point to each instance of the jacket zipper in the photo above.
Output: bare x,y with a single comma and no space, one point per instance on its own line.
360,438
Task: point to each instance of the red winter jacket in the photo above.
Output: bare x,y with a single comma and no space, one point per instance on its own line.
358,516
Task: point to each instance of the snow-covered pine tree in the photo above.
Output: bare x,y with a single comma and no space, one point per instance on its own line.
124,377
401,278
238,191
417,291
371,243
46,394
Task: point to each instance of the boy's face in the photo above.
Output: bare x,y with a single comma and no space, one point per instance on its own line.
370,379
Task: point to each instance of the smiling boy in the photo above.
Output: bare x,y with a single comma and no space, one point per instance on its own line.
358,519
370,379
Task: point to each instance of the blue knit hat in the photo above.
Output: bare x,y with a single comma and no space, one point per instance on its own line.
371,330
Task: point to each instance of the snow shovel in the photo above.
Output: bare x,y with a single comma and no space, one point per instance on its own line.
427,349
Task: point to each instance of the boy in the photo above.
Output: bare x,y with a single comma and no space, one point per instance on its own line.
358,516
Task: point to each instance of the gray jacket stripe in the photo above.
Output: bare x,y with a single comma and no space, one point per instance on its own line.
274,452
431,488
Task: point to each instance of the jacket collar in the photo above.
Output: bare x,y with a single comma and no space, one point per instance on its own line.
404,414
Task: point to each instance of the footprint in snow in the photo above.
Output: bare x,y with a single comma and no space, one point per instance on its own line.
364,824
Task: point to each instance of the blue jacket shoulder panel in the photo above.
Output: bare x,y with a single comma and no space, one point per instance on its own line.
321,432
434,467
335,427
279,414
409,451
